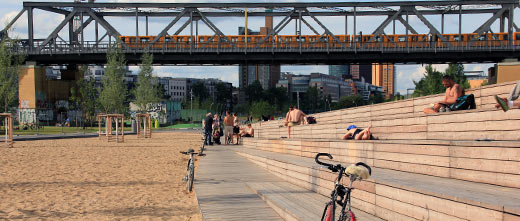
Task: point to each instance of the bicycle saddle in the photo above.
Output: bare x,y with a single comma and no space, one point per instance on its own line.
190,150
359,171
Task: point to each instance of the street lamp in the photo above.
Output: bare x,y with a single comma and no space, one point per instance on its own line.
407,90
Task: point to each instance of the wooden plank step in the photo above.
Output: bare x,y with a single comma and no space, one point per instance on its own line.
295,203
447,197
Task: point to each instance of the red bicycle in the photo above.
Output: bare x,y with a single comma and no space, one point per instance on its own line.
341,194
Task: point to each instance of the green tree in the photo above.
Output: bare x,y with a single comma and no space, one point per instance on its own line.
113,95
146,92
222,95
261,108
9,70
376,98
277,96
84,97
254,92
349,101
431,83
200,92
312,99
457,72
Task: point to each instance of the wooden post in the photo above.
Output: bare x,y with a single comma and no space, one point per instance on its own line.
8,124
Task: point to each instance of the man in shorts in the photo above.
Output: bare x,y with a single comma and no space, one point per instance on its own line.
296,117
236,128
453,91
511,100
228,127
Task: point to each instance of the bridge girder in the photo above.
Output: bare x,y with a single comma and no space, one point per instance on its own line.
299,12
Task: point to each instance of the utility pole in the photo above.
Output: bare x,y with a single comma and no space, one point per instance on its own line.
298,98
191,110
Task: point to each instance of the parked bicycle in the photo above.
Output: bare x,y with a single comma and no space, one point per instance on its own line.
341,194
190,169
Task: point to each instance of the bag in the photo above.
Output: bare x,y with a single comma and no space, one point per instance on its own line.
311,120
465,102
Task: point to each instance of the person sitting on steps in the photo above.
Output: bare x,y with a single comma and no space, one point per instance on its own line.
453,91
354,133
511,100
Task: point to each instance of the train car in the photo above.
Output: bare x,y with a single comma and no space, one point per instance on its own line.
362,40
175,41
410,40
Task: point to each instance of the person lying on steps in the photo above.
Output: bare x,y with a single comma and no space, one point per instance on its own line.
355,133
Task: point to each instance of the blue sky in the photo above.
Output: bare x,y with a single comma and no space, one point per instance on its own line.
45,22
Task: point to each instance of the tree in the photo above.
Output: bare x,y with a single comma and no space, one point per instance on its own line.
349,101
254,92
376,98
146,92
277,96
431,83
9,70
200,92
84,97
261,108
312,99
113,95
457,72
222,94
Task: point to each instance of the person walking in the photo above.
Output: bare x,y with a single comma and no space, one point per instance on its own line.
228,128
236,128
208,127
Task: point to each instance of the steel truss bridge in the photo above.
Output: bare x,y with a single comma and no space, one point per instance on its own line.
379,47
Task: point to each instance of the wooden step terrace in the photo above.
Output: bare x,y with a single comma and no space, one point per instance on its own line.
396,195
477,161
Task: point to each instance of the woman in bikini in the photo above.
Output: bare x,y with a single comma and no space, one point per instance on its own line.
354,133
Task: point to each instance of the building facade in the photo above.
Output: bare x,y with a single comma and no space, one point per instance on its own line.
178,89
327,85
341,71
383,75
359,72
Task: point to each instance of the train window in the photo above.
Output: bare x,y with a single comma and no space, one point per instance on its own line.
248,39
456,38
132,40
401,39
517,37
506,37
201,40
377,39
358,39
145,40
180,39
168,39
482,38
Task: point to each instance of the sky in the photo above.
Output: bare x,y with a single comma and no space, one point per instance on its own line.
45,22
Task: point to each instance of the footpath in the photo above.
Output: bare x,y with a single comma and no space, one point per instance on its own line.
231,187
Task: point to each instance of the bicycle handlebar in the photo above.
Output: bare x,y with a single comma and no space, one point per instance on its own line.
329,166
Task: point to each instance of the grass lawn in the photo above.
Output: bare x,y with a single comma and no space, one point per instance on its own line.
181,126
58,130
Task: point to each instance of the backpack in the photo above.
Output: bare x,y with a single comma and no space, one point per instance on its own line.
311,120
465,102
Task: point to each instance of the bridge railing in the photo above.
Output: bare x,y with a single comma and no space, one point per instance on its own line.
61,47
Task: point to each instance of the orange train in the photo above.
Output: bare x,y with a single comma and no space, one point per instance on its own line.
317,41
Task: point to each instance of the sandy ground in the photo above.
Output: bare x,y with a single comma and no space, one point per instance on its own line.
91,179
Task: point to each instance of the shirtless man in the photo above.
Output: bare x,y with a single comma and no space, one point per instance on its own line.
287,116
453,91
512,99
296,117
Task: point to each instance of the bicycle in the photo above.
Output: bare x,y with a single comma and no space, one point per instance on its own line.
190,169
355,172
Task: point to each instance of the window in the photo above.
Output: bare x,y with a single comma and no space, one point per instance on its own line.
401,39
145,40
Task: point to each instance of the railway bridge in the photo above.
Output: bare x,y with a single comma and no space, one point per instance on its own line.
343,43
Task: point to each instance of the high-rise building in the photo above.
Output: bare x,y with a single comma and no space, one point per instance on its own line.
339,70
383,75
326,84
358,71
267,75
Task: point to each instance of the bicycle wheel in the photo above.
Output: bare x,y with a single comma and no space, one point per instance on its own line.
348,216
191,177
328,212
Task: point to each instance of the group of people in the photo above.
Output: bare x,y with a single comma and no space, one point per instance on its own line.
231,129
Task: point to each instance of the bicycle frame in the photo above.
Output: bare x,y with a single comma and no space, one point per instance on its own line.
339,191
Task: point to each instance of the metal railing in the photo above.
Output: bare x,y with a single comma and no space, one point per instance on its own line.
279,47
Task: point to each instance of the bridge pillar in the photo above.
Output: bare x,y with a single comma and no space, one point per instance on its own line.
42,96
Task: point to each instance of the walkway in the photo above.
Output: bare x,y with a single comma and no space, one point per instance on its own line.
221,189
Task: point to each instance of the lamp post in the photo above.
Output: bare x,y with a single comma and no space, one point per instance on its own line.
191,110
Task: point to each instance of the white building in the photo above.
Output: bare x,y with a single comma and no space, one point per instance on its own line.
178,89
